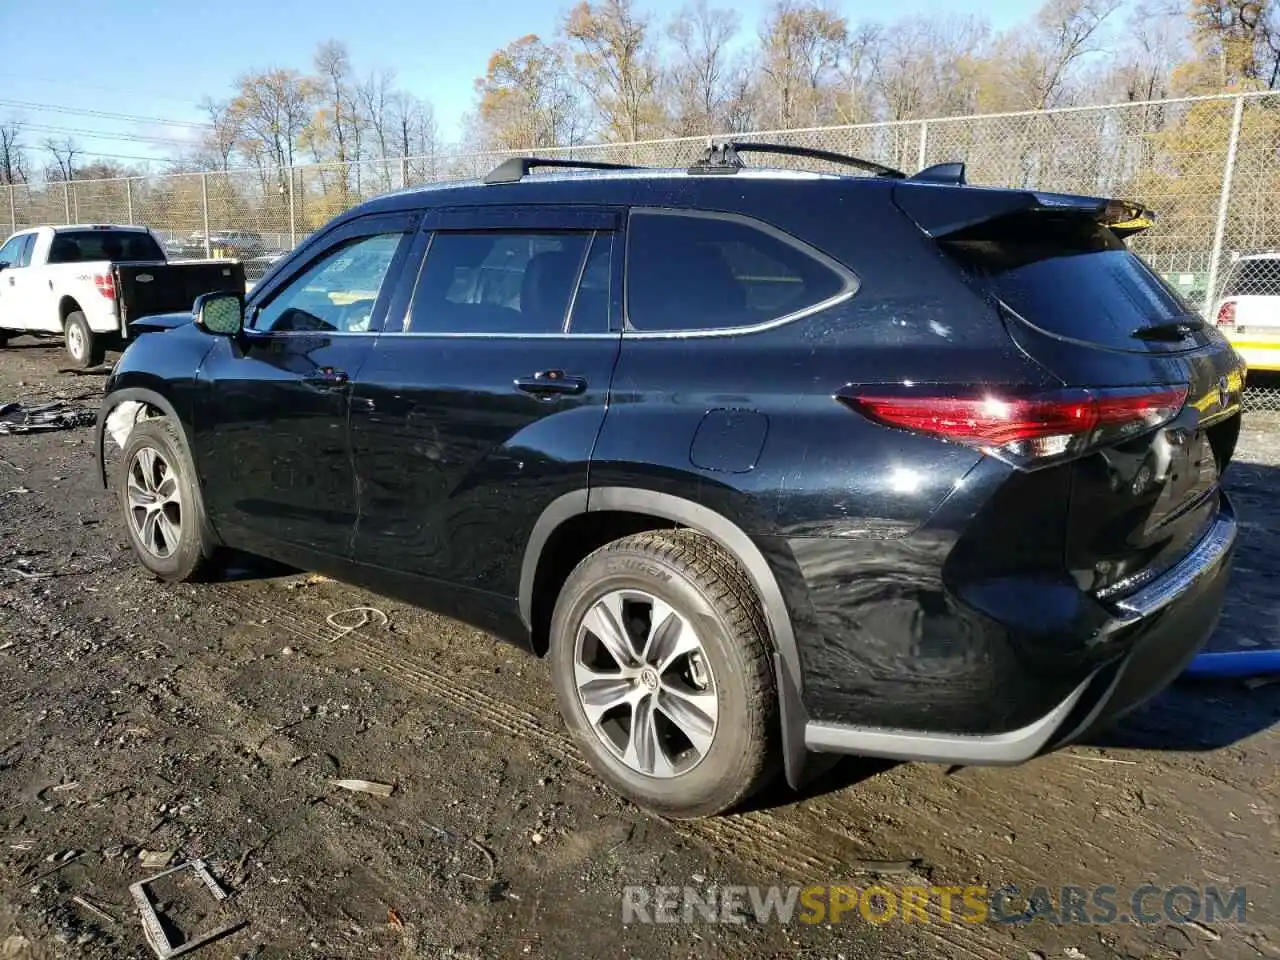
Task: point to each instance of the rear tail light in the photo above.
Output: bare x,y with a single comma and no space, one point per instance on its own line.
1026,431
1226,314
106,285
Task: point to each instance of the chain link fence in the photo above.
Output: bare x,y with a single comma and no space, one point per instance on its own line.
1209,166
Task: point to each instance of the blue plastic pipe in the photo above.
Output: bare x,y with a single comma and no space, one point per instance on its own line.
1235,663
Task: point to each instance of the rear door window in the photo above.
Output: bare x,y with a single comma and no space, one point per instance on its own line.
694,271
1069,277
501,282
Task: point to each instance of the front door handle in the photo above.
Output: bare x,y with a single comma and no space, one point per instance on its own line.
550,383
327,377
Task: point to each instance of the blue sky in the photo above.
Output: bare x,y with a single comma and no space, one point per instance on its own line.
157,58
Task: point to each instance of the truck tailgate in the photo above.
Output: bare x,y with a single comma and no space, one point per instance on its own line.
149,288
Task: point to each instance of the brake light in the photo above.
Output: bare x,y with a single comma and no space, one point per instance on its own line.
1026,431
1226,314
106,285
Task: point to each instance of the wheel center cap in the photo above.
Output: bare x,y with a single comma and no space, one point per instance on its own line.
649,677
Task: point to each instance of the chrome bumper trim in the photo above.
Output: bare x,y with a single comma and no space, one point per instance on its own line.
1182,576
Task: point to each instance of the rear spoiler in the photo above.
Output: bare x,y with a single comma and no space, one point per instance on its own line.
944,210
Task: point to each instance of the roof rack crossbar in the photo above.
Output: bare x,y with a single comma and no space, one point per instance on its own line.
516,169
722,157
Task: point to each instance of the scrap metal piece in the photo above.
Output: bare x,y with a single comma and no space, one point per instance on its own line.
154,930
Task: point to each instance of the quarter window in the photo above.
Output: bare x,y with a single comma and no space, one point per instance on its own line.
691,272
337,293
498,282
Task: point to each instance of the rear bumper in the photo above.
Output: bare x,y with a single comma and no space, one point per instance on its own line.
1162,625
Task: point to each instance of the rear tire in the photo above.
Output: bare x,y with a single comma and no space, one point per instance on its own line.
691,729
161,505
86,348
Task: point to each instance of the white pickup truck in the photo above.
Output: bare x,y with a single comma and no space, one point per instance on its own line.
88,283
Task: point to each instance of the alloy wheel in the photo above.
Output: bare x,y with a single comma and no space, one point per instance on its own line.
155,502
645,683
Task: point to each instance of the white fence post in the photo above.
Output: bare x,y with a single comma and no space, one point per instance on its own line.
204,202
924,145
13,212
1224,202
66,201
128,197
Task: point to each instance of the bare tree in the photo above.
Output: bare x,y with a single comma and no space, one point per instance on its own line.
526,98
273,107
64,154
223,133
13,164
616,65
803,44
333,69
374,97
702,75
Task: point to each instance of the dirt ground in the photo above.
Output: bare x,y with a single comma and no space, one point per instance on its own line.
209,720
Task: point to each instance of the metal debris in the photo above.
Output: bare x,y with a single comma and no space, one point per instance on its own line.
93,908
18,417
155,859
154,930
365,786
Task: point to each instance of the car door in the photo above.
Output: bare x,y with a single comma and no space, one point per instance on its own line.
15,289
271,431
485,404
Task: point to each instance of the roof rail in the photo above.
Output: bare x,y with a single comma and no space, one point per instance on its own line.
722,157
517,168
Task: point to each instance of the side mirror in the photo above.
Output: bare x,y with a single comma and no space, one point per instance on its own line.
221,313
4,264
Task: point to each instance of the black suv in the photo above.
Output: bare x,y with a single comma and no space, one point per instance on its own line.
771,463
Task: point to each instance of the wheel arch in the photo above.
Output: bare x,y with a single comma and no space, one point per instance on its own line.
66,307
145,395
676,511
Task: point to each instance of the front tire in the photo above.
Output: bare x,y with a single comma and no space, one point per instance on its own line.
86,348
662,667
161,504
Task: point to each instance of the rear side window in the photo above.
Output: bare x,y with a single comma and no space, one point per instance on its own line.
1254,278
690,271
1070,277
76,246
498,282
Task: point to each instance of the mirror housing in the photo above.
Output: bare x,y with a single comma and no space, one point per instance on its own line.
4,264
220,313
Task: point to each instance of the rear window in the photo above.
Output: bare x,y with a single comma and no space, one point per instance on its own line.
75,246
1253,278
1069,277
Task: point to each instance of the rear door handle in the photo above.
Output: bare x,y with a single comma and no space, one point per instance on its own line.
550,383
327,377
